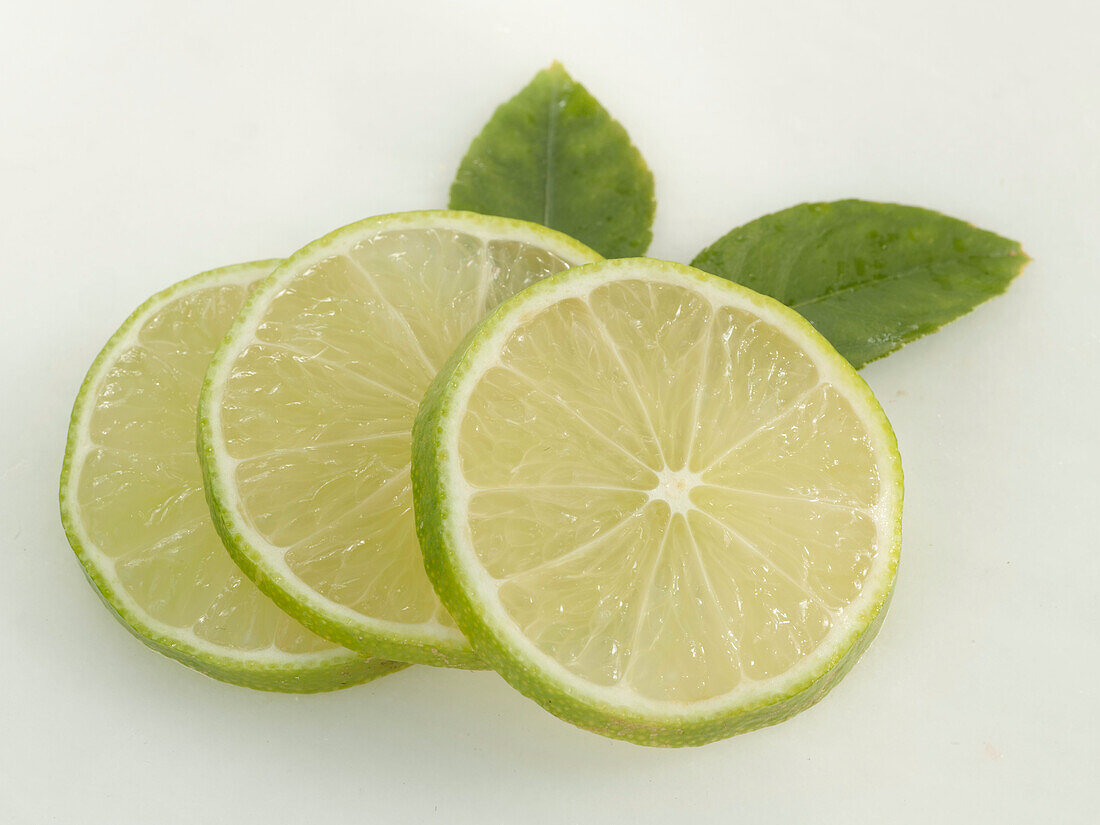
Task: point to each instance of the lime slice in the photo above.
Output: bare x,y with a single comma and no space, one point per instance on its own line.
306,416
660,504
133,506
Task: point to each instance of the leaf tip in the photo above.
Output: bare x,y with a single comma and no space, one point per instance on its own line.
556,70
1020,258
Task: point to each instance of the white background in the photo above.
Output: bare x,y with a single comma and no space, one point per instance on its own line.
141,142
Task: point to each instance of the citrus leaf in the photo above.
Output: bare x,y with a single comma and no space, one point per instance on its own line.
553,155
870,277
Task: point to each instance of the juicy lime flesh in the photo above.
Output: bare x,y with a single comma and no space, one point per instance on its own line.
318,408
668,497
139,487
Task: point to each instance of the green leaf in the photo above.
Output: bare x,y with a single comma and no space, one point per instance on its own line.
553,155
870,277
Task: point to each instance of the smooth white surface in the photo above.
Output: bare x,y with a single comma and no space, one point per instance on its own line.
143,142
